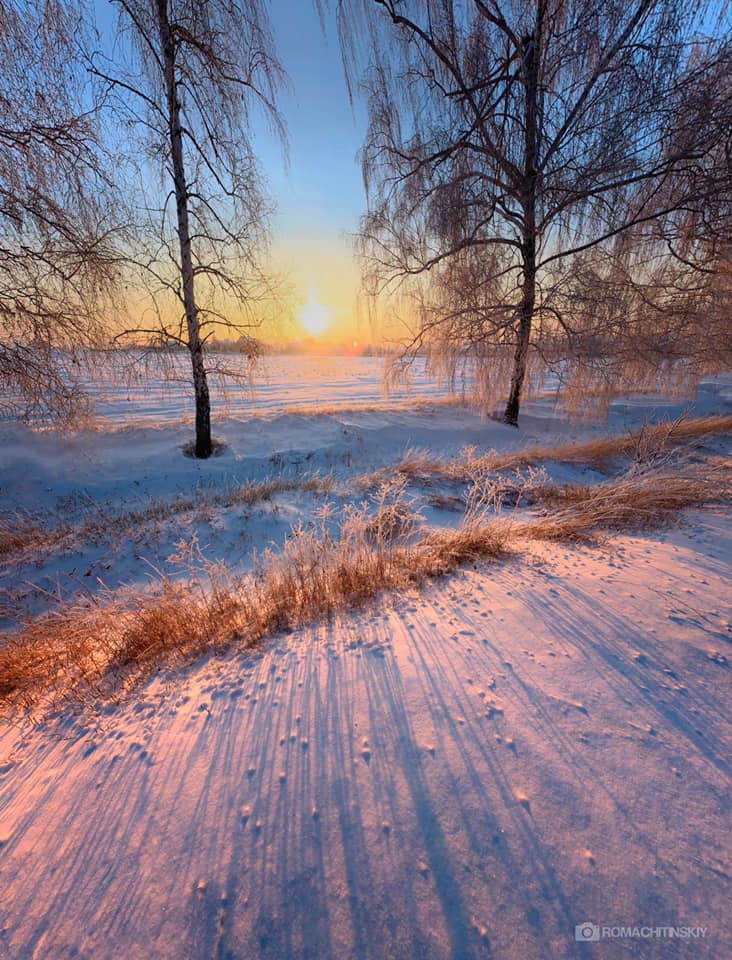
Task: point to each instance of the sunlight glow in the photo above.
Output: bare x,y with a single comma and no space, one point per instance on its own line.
314,317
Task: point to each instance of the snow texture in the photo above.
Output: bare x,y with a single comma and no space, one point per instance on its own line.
465,773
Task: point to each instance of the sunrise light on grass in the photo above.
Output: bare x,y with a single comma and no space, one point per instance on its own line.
365,479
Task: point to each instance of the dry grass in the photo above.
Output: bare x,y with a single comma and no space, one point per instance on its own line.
638,500
418,466
415,404
103,646
649,443
21,533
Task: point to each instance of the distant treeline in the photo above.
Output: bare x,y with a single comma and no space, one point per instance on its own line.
253,348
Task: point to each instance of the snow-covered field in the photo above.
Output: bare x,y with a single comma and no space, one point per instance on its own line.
467,772
277,384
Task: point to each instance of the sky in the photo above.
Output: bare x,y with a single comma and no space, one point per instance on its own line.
316,185
319,193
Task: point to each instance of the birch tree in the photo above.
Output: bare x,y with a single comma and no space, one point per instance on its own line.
185,74
525,158
58,261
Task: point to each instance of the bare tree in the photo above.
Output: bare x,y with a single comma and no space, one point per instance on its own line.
540,173
186,73
57,259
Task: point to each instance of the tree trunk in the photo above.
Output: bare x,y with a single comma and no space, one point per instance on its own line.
195,346
526,313
528,245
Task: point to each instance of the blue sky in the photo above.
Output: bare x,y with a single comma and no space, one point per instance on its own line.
323,186
319,194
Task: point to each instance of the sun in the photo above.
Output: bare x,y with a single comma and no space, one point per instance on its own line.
314,316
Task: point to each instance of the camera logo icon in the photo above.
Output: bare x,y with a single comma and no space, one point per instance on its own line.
587,932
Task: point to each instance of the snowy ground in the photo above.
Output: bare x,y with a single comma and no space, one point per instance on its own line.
466,773
277,384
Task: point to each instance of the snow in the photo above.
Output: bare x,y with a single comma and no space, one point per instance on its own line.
275,385
467,772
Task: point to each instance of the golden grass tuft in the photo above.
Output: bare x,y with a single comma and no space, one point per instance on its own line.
93,648
636,501
22,533
409,405
416,465
103,647
649,443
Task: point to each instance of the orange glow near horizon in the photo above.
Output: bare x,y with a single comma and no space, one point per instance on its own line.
324,281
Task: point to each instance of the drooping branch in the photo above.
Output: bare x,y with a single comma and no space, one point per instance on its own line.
514,150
